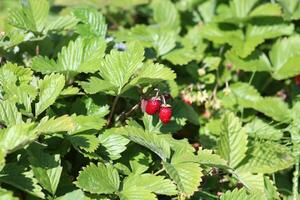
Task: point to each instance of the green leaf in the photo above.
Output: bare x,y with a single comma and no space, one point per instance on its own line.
7,195
186,175
207,158
11,72
152,73
156,143
253,182
32,16
93,22
244,44
95,85
46,168
113,142
136,193
255,62
81,55
87,142
118,67
83,123
285,56
16,175
17,136
54,125
167,20
270,189
275,108
155,184
182,110
241,8
61,23
181,56
49,89
238,194
164,41
232,145
76,194
267,157
100,179
267,9
260,129
245,95
9,114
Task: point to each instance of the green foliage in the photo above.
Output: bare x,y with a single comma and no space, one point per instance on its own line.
75,77
233,141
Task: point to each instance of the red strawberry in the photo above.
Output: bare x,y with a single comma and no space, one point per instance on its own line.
297,80
153,106
165,113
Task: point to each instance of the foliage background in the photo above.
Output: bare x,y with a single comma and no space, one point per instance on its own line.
73,74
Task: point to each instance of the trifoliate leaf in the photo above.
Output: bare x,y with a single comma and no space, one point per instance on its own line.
98,179
49,89
232,145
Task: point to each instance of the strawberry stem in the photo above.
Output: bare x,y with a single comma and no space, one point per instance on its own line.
112,110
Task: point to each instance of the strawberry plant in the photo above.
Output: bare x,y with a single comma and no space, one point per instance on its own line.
149,99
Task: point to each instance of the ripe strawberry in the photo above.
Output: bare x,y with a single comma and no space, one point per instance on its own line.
153,106
297,80
165,113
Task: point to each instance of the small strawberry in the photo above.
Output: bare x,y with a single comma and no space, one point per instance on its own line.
165,113
153,106
144,104
297,80
187,100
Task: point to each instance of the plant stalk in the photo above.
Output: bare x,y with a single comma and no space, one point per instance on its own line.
295,179
112,110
